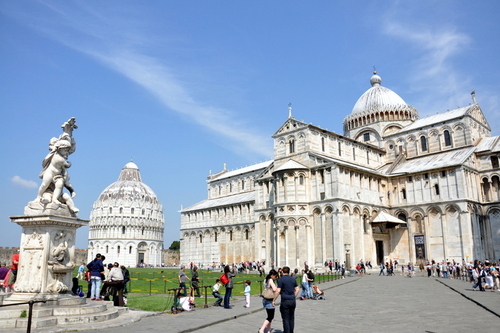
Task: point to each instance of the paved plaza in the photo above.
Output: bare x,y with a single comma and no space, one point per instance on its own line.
356,304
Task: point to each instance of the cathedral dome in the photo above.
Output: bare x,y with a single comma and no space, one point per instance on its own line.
379,105
378,98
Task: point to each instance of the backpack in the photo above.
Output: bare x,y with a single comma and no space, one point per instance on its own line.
310,275
224,279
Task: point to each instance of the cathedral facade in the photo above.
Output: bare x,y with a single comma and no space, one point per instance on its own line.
127,223
392,187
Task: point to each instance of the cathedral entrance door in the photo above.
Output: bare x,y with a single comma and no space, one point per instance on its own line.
379,247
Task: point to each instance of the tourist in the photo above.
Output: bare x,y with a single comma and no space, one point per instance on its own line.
115,284
305,286
195,280
79,276
96,269
288,290
3,274
182,280
382,267
246,293
216,293
268,303
230,273
126,278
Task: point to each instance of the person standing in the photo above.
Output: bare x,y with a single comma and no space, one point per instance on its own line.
247,292
230,273
126,278
182,280
79,276
96,269
195,280
268,303
288,289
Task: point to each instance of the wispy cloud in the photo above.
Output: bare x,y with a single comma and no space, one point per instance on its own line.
23,182
434,68
126,52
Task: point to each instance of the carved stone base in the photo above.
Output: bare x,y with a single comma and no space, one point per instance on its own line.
47,255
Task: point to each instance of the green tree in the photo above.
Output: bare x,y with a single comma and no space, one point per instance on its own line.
176,245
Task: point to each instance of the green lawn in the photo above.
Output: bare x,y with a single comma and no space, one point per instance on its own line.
148,287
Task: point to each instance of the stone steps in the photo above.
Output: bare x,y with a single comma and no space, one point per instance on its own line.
65,311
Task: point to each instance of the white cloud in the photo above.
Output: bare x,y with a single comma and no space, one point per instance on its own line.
23,182
117,47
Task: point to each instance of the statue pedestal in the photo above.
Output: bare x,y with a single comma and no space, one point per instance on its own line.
46,258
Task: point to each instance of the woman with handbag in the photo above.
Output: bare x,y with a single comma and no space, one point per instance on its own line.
267,300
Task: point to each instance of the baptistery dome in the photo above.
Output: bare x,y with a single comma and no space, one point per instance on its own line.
126,222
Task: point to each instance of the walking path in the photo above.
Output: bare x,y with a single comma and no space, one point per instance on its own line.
358,304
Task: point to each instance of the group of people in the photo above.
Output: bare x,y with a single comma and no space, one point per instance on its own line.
106,283
8,276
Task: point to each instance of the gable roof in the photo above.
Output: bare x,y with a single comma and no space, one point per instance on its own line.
434,161
224,201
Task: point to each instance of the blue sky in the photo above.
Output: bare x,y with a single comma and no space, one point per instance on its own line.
182,87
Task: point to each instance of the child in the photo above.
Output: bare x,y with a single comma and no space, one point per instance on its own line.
215,292
246,292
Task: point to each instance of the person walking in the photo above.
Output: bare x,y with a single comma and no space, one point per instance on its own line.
268,303
288,290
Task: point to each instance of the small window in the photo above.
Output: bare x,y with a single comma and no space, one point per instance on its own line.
447,138
436,189
443,173
366,137
230,235
107,248
410,179
423,143
246,234
215,237
494,162
121,210
340,148
292,146
402,217
111,210
403,193
201,239
322,144
426,176
129,249
354,153
118,249
322,195
123,230
243,184
301,180
132,211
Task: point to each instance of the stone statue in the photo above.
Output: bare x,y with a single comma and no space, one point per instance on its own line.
55,177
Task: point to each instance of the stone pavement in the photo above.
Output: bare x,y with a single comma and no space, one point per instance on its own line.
357,304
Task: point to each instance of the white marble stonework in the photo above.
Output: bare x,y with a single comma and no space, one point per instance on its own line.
393,186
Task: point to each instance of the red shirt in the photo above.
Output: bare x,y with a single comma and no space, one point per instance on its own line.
15,261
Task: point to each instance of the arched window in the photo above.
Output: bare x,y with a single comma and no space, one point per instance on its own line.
447,138
121,210
402,217
291,143
322,144
130,249
118,249
123,230
111,210
423,143
301,180
215,237
230,235
107,248
201,239
246,234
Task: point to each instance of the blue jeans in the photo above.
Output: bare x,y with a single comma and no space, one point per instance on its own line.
219,298
305,288
287,309
227,297
96,287
310,289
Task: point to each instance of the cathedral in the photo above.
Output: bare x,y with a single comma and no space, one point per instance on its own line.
393,186
127,223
